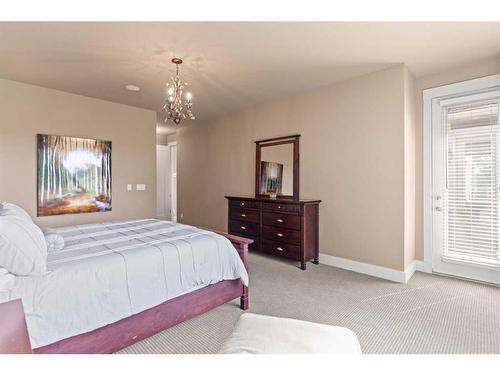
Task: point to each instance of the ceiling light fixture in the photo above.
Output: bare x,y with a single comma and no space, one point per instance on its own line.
132,87
177,108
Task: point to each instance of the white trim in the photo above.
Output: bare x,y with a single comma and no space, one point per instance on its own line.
458,88
422,266
160,213
173,177
366,268
479,85
490,94
427,191
376,271
409,271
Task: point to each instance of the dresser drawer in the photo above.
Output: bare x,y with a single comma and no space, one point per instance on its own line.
283,207
281,249
281,220
245,204
281,234
244,227
245,215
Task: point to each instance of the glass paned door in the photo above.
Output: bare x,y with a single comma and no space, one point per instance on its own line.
466,186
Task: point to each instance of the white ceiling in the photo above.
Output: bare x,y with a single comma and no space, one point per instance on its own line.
229,66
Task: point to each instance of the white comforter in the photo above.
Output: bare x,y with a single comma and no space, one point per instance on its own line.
107,272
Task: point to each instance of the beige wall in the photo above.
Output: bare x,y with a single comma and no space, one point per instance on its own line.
27,110
450,76
163,139
352,157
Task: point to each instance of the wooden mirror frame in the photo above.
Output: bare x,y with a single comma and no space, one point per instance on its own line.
294,139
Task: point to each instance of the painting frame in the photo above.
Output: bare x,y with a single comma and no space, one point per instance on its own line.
74,175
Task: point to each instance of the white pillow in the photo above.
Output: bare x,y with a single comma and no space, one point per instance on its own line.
55,242
23,250
10,209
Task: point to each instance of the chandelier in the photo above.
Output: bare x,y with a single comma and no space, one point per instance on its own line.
177,108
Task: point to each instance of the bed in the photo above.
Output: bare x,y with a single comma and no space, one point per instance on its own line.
119,282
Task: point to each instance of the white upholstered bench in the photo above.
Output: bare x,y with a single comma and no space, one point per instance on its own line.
261,334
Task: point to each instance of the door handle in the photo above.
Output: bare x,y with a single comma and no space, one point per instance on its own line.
243,215
279,220
279,234
439,209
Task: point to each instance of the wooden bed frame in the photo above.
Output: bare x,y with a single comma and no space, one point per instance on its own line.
125,332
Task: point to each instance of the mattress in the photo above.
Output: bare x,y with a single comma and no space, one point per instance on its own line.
110,271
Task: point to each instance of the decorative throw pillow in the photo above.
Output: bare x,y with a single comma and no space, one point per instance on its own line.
23,250
55,242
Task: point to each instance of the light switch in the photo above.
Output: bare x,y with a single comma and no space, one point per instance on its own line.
140,187
129,187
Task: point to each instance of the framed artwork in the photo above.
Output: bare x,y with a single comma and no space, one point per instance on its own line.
74,175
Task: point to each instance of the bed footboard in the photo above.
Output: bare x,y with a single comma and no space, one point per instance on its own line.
125,332
241,245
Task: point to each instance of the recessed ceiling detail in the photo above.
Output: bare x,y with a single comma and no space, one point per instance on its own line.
132,87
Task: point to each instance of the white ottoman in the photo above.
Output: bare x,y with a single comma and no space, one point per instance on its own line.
261,334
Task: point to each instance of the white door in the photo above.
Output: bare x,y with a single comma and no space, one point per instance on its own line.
465,185
173,180
163,185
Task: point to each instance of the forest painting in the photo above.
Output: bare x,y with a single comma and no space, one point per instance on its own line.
271,178
74,175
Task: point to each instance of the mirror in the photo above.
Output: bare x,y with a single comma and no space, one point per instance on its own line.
276,170
277,167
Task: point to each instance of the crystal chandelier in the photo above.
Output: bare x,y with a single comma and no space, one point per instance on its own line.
177,108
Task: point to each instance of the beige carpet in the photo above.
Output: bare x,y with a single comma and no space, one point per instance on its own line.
431,314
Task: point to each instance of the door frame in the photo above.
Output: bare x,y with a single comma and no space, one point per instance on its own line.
166,149
171,180
477,85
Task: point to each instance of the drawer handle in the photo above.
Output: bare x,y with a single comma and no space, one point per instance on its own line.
243,215
242,203
279,248
279,206
242,227
279,234
279,220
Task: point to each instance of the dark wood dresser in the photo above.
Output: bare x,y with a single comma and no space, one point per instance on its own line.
281,227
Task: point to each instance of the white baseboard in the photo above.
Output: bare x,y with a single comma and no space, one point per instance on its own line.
366,268
409,271
376,271
422,266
